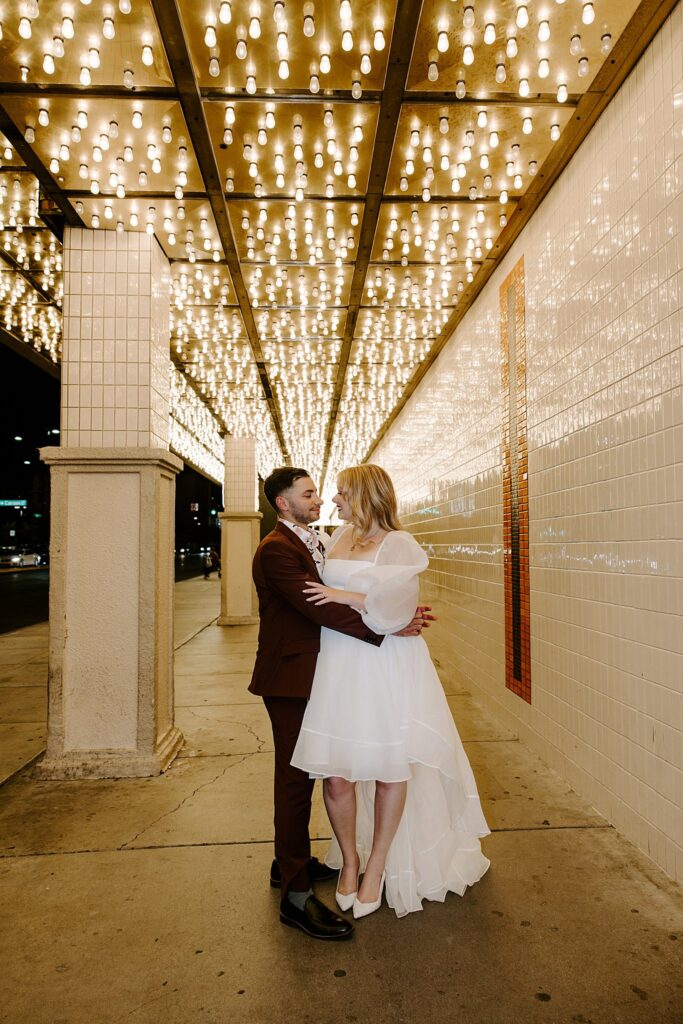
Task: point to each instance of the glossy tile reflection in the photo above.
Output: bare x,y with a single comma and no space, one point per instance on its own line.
604,276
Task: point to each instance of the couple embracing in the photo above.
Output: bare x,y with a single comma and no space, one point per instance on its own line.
354,699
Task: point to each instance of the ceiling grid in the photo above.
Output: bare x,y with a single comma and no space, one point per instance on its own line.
333,182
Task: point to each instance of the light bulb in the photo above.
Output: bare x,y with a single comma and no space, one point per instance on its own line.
356,89
255,28
95,190
562,93
314,84
270,120
426,195
347,40
543,31
325,64
210,36
533,167
490,34
583,67
555,132
309,22
378,39
113,130
251,85
83,171
283,69
241,49
503,197
493,140
64,152
484,161
482,119
25,28
54,166
501,73
67,27
214,67
522,16
511,47
95,220
225,13
527,126
468,17
468,55
605,43
30,134
125,6
432,71
128,78
147,56
137,119
48,64
365,64
166,134
108,212
108,28
442,42
524,87
85,77
58,46
94,57
575,45
517,181
460,89
588,14
543,68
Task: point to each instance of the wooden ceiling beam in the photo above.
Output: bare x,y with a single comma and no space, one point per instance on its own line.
178,55
398,65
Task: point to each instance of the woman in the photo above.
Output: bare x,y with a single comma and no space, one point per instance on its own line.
398,787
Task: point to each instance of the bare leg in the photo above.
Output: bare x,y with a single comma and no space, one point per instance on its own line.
340,801
390,798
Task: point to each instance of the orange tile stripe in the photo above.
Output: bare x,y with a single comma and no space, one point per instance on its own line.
515,485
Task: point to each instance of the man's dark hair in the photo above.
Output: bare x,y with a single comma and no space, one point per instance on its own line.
281,479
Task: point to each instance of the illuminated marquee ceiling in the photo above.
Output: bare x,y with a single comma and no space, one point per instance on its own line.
332,181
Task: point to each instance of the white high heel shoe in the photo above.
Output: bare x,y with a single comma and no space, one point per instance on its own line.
363,909
345,900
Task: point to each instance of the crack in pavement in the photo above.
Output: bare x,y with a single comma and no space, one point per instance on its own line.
167,814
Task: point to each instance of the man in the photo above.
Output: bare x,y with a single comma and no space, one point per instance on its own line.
289,641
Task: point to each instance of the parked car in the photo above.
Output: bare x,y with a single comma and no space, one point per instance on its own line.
10,558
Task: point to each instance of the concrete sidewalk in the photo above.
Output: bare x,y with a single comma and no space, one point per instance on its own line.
147,901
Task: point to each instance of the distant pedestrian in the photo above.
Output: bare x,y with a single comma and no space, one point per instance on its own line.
212,563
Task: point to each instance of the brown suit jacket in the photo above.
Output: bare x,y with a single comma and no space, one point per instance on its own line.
289,631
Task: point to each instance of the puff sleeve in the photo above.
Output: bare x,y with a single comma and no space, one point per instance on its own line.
392,584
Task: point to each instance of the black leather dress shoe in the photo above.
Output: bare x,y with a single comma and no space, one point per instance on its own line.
318,872
316,920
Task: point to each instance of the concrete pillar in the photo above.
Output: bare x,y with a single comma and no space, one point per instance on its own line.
111,710
239,533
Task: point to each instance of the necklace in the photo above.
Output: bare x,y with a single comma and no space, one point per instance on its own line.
364,543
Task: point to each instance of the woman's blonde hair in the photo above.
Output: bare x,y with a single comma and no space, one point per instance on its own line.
371,497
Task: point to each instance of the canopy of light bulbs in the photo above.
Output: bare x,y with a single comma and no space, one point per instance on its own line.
291,95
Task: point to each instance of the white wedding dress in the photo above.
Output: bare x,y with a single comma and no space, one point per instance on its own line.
380,713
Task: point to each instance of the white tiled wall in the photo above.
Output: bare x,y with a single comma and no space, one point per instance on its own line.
604,277
240,491
115,368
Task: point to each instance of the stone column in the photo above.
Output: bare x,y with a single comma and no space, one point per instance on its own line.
239,533
111,710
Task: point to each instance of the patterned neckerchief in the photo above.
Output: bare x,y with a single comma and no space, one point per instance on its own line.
312,542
